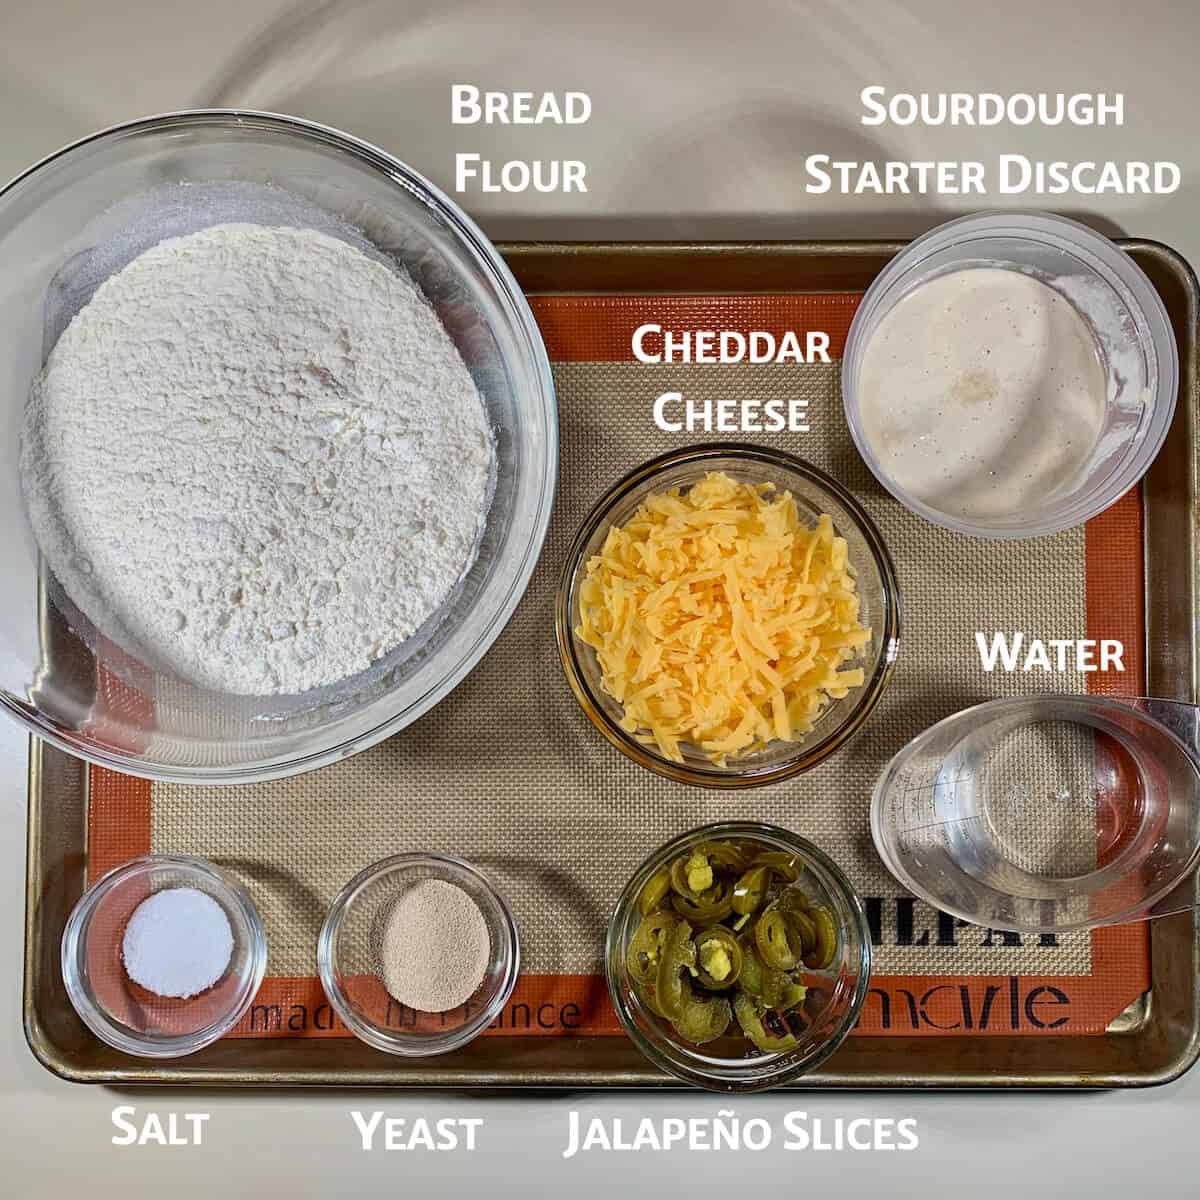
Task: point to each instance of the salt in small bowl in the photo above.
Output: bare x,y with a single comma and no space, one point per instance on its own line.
132,1018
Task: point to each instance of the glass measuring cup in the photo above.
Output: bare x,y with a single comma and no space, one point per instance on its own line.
1047,813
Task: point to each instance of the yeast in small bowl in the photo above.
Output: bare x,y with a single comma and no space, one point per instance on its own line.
351,957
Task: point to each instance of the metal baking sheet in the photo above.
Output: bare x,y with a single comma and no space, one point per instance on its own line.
1154,1040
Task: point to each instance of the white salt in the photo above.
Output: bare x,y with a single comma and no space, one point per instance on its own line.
178,943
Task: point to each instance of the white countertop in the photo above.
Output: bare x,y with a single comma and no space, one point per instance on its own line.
702,116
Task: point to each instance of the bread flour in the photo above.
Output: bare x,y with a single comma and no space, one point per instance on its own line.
257,459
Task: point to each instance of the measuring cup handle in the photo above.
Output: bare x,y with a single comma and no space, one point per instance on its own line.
1178,717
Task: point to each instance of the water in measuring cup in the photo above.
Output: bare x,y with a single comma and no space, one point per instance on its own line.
1047,813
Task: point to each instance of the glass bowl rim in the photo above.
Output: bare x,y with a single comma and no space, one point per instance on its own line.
523,329
807,755
73,941
420,1045
730,1080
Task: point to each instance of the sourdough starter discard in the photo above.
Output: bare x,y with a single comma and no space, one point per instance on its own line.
982,393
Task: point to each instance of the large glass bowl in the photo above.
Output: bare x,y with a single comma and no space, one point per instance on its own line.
85,212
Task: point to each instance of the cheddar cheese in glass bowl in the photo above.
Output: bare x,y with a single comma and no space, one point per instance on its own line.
728,615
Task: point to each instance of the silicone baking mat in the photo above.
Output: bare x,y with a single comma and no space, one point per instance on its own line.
508,773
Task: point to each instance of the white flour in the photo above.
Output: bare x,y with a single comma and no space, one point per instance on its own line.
257,459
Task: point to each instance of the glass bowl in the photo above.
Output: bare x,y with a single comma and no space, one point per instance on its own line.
128,1016
85,212
815,493
835,995
1115,299
348,958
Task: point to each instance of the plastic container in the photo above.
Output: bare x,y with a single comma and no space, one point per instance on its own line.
1046,813
835,995
1116,300
129,1017
74,219
815,493
349,958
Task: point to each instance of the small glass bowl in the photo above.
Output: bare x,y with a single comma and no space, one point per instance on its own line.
348,956
1112,295
835,995
815,493
128,1016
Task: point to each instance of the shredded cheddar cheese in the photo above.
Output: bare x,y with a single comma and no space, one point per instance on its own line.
720,620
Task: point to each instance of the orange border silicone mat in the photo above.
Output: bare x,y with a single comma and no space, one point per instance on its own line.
581,328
